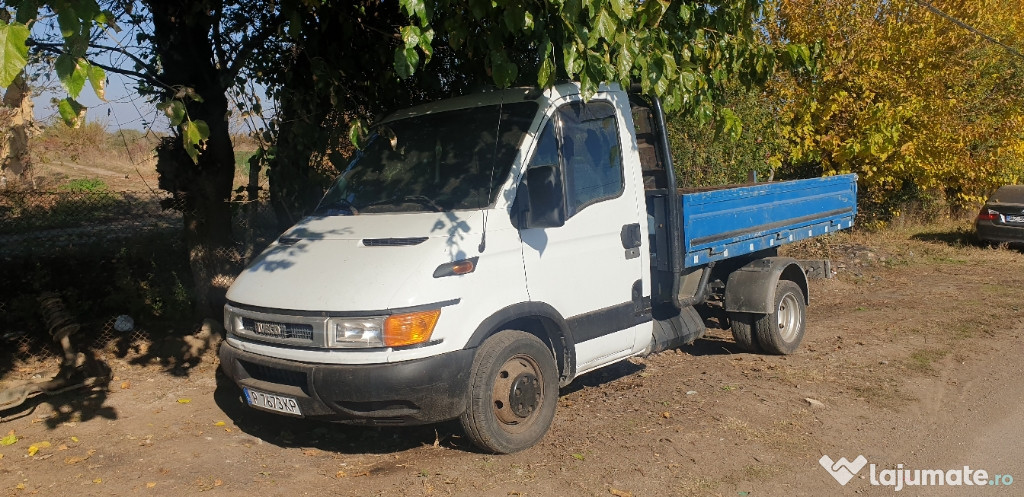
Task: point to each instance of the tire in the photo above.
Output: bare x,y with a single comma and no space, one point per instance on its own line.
742,325
782,331
513,391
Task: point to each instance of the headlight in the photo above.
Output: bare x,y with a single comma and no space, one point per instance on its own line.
355,332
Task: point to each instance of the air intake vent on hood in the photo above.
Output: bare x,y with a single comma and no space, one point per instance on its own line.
393,242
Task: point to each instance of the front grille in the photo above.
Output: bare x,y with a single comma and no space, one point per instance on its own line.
278,330
274,375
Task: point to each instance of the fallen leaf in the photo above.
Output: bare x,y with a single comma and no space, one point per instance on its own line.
340,474
62,447
666,415
184,401
125,385
10,439
20,486
578,457
74,439
619,493
74,460
1,456
98,480
219,423
32,449
150,484
217,483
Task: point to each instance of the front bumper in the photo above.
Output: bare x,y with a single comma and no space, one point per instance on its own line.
414,392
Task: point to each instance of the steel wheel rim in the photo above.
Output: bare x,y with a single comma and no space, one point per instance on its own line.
789,317
514,376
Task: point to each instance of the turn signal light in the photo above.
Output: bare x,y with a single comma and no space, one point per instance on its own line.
409,329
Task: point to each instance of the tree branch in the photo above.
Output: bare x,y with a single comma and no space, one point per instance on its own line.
222,57
58,49
250,45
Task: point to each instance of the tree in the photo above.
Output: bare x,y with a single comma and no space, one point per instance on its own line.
184,56
914,103
683,52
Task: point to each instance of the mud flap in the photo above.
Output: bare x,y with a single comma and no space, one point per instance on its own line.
672,331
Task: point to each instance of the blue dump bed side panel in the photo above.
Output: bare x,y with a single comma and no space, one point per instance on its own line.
735,221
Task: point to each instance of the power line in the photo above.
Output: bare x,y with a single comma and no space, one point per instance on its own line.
935,10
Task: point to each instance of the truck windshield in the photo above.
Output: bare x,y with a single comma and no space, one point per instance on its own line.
432,162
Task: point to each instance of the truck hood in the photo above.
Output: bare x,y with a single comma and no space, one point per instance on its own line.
358,263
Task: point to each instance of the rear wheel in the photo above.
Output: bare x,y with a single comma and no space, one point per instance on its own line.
742,324
782,331
513,390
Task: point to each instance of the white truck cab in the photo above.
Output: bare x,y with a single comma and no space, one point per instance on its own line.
476,255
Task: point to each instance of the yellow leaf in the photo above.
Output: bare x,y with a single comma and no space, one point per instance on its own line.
184,401
10,439
150,484
1,456
32,449
43,445
125,385
98,480
219,423
20,486
74,439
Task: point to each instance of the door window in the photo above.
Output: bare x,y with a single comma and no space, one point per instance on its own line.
587,145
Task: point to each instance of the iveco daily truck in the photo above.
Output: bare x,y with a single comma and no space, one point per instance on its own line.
483,251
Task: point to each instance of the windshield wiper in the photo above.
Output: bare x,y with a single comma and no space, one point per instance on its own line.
419,199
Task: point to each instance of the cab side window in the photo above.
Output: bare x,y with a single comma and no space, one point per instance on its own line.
591,154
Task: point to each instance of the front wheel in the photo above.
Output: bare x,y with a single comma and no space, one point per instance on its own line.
513,390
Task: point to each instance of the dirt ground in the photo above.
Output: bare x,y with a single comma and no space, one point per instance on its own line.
912,358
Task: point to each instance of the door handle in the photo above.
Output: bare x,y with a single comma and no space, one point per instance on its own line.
630,236
631,240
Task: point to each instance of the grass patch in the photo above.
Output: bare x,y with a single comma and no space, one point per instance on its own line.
84,185
923,360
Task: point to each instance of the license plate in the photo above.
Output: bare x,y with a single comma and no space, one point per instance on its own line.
1015,219
272,402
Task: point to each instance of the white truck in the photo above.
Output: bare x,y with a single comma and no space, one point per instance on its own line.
483,251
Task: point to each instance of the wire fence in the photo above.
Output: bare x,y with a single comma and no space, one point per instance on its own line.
107,253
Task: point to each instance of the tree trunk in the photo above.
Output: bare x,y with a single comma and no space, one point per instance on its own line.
16,123
182,38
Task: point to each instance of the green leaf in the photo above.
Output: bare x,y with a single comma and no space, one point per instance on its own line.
98,80
13,51
72,73
410,36
406,60
69,23
546,73
605,25
72,112
503,71
193,136
10,439
174,110
357,133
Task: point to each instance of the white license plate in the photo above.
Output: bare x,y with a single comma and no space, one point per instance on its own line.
271,402
1015,219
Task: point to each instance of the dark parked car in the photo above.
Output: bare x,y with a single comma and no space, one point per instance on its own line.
1001,220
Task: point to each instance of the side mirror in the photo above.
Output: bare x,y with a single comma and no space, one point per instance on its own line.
540,200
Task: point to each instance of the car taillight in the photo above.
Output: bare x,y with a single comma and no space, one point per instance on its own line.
988,215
